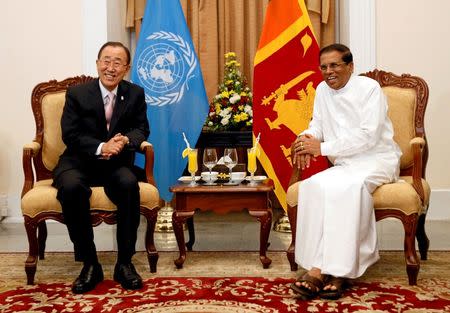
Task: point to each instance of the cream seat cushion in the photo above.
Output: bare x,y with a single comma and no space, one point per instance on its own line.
42,198
398,196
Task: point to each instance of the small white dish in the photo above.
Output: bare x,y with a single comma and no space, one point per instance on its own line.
237,177
206,177
256,179
188,179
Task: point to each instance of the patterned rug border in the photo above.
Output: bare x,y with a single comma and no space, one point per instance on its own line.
226,295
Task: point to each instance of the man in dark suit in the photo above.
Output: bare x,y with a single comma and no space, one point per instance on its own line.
103,123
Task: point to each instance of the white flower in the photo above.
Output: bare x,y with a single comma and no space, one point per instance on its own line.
224,121
210,123
247,109
235,98
225,112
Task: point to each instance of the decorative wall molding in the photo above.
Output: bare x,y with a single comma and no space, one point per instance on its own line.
95,32
357,30
439,205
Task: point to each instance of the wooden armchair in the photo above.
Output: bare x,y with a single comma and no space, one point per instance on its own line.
407,199
39,201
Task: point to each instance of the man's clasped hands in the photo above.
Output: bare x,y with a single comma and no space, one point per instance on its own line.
114,146
306,147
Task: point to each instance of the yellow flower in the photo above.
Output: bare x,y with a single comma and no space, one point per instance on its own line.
223,113
240,117
230,54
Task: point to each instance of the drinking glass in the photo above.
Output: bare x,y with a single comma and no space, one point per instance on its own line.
230,160
251,166
209,160
192,165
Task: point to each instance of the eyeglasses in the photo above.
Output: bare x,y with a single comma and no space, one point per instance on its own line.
114,63
331,66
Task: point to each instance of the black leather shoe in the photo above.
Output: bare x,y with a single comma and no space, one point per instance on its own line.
126,275
90,276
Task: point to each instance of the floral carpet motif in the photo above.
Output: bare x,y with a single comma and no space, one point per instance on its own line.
219,282
226,295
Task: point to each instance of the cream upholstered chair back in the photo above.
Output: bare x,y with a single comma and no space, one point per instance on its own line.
401,112
53,146
407,99
47,104
402,103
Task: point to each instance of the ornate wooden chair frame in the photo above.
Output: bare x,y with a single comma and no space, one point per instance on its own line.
38,175
412,171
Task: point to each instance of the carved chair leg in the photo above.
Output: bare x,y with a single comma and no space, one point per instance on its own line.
42,238
32,259
422,238
290,253
152,253
412,261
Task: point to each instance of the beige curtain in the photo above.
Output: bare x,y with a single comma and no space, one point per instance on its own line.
220,26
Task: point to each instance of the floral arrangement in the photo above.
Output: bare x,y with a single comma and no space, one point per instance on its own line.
231,108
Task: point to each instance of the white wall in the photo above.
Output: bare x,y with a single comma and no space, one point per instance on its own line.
48,39
412,37
44,40
41,40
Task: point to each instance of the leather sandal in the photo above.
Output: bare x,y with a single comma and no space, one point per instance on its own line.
315,285
340,283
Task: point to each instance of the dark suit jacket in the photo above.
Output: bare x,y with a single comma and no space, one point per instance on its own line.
83,123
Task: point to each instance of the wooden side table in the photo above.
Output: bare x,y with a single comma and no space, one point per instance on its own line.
223,199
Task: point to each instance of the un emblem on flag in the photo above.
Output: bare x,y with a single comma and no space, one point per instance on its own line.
165,67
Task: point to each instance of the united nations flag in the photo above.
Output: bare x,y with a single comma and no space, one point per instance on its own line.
166,66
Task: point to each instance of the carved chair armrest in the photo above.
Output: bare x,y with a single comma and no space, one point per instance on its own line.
30,150
147,149
417,144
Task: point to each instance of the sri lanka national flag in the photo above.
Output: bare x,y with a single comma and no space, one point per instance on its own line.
166,66
286,74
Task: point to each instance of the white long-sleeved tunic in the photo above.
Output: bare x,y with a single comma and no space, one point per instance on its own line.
335,221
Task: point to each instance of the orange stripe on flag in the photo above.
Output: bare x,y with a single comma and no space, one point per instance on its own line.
285,79
282,15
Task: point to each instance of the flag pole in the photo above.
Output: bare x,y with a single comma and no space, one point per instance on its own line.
282,225
164,220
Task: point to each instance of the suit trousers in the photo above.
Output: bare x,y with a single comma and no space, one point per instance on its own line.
121,187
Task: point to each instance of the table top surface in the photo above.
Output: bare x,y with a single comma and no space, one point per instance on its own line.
264,186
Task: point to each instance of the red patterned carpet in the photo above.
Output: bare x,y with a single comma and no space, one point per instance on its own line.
220,282
223,295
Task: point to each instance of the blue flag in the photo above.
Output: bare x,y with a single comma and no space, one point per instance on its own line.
166,66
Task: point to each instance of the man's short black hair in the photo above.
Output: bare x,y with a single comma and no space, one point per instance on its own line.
115,44
347,55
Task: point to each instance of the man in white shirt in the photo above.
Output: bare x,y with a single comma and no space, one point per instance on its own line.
336,234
